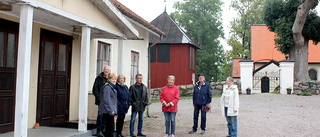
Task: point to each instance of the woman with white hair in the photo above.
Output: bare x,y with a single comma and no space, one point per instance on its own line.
230,106
169,98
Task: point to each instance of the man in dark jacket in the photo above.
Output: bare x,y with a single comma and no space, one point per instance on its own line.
201,98
99,82
139,101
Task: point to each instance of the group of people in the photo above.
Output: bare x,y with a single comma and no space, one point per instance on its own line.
202,97
114,98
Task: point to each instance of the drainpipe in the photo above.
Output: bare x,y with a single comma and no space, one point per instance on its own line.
149,74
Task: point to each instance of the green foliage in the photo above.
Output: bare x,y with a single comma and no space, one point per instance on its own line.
277,89
184,91
304,94
201,19
250,12
279,16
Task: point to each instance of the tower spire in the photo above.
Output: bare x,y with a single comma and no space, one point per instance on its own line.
165,6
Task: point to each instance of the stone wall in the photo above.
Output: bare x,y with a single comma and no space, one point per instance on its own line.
187,90
300,87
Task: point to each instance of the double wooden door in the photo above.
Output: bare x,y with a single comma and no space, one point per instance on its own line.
54,78
8,71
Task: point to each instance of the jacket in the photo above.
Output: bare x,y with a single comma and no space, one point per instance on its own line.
98,84
233,100
124,99
202,94
170,95
139,99
108,104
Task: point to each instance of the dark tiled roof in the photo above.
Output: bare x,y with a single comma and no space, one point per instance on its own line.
127,12
174,33
271,61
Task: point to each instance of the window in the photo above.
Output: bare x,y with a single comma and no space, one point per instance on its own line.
103,58
313,74
191,58
8,47
134,68
153,53
164,53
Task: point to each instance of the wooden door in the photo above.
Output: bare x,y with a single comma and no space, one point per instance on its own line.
8,64
54,73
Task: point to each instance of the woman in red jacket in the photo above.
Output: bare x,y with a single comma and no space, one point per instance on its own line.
169,98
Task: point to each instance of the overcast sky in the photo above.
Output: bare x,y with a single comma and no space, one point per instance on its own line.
150,9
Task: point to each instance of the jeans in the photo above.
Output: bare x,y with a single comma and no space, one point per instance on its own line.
170,119
232,124
100,123
198,108
133,119
109,131
120,120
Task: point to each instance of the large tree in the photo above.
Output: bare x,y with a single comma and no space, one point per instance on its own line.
201,20
295,24
249,12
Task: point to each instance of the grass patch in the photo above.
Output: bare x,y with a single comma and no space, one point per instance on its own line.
216,96
155,101
185,98
304,94
274,92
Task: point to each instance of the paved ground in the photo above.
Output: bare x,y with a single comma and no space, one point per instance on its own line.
260,115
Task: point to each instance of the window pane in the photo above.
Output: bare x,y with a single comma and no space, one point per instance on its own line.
48,56
1,48
163,53
131,75
106,52
153,52
99,67
62,57
11,50
105,63
99,52
132,58
136,60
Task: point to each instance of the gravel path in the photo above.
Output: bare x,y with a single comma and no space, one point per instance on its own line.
260,115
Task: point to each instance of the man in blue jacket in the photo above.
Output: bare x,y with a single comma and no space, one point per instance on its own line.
201,98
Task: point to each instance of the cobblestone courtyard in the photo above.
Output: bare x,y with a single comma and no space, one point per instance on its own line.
260,115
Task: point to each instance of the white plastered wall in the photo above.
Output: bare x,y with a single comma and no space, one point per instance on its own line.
271,70
139,46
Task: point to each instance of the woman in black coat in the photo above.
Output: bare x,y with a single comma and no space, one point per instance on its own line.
124,101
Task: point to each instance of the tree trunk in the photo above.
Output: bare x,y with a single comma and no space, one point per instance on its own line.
300,48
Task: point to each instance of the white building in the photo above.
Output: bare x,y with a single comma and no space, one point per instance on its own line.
51,52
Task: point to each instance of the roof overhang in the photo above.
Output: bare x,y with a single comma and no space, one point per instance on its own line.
62,20
111,11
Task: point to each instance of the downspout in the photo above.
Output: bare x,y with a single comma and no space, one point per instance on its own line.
149,74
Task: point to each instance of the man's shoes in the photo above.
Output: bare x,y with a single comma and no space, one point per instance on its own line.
132,135
202,131
172,135
120,135
100,134
166,135
141,135
228,136
192,132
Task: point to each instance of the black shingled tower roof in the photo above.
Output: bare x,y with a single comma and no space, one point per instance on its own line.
174,33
